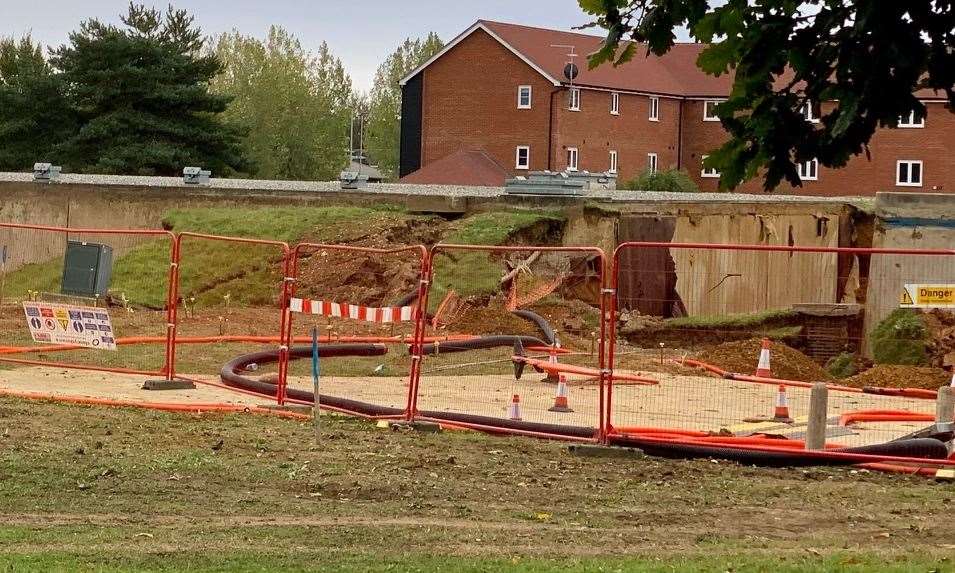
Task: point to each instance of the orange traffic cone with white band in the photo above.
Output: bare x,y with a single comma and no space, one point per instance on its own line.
781,413
550,376
561,402
763,369
514,410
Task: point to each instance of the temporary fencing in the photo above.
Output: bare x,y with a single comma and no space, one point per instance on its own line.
685,306
238,309
364,305
506,323
53,314
539,340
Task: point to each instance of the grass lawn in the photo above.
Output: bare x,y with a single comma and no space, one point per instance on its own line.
128,490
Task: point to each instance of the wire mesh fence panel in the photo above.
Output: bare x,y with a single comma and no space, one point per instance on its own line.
231,304
361,303
736,333
87,299
518,334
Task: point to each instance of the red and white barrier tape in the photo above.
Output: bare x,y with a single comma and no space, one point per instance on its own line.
352,311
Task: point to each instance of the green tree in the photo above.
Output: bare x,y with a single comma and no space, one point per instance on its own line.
141,94
866,57
667,180
384,106
34,112
294,106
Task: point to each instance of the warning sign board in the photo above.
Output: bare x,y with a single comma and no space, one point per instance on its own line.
927,296
67,324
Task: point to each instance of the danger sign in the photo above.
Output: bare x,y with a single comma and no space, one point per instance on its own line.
928,296
67,324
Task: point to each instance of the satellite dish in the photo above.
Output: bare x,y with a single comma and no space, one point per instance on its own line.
571,71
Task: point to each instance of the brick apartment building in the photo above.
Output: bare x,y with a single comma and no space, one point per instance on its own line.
495,103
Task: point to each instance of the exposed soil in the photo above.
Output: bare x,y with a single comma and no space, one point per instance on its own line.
369,279
892,376
941,344
786,362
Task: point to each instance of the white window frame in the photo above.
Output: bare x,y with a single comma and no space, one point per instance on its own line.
708,173
613,161
517,157
706,112
808,170
654,114
913,121
614,103
573,152
652,162
809,112
530,97
910,163
574,103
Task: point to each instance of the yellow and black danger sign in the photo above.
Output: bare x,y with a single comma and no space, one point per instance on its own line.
928,296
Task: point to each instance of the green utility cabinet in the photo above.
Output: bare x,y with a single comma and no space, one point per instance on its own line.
87,269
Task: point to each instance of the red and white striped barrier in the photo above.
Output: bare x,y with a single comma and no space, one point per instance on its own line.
352,311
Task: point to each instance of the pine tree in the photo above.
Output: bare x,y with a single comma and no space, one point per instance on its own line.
141,94
34,112
384,120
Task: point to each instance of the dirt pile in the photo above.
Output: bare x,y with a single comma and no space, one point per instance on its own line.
787,363
891,376
940,345
368,279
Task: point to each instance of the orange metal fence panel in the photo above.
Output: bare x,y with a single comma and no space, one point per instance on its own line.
48,323
484,338
363,303
697,320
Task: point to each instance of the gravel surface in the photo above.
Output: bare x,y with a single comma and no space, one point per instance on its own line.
407,189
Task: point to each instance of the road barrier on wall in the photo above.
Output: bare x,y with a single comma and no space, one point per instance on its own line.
478,291
732,295
369,298
46,322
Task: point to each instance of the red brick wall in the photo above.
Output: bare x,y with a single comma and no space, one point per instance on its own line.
470,101
594,131
861,176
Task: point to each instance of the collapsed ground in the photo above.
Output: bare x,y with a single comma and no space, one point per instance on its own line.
229,288
117,489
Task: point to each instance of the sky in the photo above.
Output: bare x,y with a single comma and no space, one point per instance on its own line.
360,33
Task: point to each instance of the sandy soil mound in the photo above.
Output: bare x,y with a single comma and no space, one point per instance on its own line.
890,376
786,362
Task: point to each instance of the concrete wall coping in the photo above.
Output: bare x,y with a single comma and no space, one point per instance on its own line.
332,188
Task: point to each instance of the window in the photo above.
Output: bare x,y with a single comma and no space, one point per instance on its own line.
654,109
613,162
524,97
571,159
908,173
710,173
574,99
913,119
523,159
615,103
709,109
809,170
652,162
809,112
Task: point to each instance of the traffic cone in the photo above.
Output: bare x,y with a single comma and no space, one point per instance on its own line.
781,413
561,403
514,410
763,370
552,359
